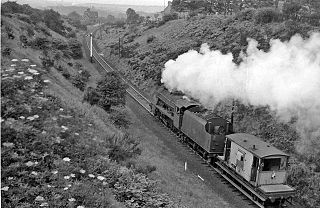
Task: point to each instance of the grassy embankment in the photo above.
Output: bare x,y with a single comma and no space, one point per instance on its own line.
55,148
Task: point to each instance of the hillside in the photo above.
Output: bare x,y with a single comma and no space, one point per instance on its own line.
57,150
146,48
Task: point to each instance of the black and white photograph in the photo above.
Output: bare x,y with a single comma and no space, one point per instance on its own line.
160,103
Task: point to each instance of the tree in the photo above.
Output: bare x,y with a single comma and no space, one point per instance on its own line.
111,91
53,21
291,9
132,16
74,16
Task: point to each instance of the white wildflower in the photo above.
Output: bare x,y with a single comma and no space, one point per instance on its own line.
54,172
72,175
28,78
64,128
91,175
25,60
82,171
101,178
33,65
90,124
46,81
34,173
31,118
39,198
66,188
71,199
30,163
77,134
36,163
10,178
66,159
44,204
8,144
5,188
35,116
14,60
49,186
61,109
66,177
22,117
13,65
20,72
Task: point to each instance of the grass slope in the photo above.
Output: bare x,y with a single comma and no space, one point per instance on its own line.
54,147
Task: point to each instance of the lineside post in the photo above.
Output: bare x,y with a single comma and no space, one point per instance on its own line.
91,47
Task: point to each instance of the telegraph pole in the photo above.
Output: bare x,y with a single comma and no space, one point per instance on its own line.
91,47
119,47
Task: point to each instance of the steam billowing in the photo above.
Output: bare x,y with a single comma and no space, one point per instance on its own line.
287,78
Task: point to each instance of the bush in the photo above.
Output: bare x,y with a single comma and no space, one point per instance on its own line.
266,15
40,43
112,91
150,38
246,15
120,118
6,51
76,49
91,96
123,147
169,17
79,82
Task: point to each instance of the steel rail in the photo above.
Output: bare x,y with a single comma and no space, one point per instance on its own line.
97,56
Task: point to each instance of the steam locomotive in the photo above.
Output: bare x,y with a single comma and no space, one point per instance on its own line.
253,166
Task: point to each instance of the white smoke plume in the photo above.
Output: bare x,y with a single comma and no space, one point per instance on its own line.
286,78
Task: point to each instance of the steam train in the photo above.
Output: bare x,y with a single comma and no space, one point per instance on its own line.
253,166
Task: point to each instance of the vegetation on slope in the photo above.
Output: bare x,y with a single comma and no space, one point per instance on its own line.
144,52
56,150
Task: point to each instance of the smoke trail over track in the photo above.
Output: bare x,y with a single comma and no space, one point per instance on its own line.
286,78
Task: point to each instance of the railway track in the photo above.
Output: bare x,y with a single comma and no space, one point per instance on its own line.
145,103
131,90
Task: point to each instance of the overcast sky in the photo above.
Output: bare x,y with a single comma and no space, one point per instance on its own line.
128,2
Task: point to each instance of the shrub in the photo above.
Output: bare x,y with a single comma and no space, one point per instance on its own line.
266,15
76,49
123,147
30,31
112,91
6,51
91,96
246,15
79,82
150,38
41,43
52,19
24,18
120,118
169,17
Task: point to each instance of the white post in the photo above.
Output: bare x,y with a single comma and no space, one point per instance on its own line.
185,166
91,47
